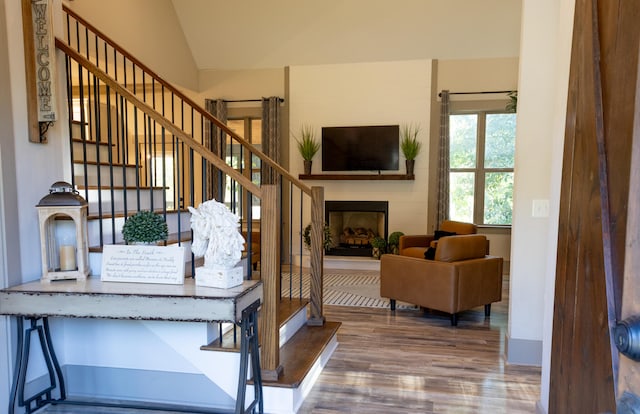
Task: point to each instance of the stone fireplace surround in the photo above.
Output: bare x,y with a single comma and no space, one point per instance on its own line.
347,219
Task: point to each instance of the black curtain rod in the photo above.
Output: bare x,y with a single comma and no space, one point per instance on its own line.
475,93
247,100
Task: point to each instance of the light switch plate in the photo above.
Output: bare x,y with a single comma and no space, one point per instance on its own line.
540,208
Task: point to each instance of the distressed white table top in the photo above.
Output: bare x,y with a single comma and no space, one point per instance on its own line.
115,300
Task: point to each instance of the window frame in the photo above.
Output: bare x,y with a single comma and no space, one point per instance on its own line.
245,165
479,170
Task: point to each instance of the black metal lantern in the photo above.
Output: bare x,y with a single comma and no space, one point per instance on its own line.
62,215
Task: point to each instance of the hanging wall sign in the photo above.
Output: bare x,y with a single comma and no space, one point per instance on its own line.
45,66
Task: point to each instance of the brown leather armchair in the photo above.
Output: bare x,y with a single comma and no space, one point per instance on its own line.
461,277
416,245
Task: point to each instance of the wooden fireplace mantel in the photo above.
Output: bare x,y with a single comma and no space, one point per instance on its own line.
346,177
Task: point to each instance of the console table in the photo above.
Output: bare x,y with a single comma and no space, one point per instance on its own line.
35,302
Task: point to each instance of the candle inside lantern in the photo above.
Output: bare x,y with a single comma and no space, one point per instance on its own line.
67,257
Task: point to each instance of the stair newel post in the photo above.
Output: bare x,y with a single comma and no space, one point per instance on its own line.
269,273
317,253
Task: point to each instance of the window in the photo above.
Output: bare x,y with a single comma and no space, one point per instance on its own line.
251,130
481,151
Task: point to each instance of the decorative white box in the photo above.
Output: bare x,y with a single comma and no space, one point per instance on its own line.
218,277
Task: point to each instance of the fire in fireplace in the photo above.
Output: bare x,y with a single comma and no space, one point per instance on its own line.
354,224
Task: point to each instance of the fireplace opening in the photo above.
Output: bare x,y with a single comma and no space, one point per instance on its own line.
354,224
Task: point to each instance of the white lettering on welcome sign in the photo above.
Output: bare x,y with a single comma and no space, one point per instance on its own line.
44,59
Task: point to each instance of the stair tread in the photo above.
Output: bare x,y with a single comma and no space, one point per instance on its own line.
172,239
119,187
299,354
287,309
106,164
120,214
92,142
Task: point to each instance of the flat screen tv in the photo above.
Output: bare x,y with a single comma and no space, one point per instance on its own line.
362,148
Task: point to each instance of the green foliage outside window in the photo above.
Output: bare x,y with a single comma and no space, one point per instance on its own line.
498,198
495,167
500,145
462,141
461,191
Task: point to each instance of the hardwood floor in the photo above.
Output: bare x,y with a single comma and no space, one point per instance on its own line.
410,361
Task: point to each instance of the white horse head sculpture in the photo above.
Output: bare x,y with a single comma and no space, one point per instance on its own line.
216,235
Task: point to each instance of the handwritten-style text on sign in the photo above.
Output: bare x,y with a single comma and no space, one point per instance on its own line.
143,264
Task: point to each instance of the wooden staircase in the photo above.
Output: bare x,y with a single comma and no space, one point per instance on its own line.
112,170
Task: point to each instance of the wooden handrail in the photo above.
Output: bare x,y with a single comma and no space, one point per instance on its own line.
160,119
187,100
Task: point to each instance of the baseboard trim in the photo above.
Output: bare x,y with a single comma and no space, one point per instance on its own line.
539,408
145,385
523,351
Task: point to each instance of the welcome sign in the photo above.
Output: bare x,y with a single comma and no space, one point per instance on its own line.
44,50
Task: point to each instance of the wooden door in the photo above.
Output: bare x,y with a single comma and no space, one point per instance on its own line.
602,109
629,374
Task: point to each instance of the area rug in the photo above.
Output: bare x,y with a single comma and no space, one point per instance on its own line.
342,288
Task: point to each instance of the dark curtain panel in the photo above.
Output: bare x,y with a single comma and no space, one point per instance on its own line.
216,143
270,137
443,161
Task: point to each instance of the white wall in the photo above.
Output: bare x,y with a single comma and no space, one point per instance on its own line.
37,166
240,84
360,94
565,11
5,119
532,181
135,25
474,75
544,68
6,151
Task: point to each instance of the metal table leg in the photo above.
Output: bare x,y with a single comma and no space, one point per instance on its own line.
43,397
249,345
249,354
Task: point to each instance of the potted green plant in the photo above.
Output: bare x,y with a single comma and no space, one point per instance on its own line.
378,245
410,145
328,239
308,146
394,241
145,227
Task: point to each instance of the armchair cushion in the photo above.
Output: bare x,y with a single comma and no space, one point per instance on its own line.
414,245
462,247
417,245
458,227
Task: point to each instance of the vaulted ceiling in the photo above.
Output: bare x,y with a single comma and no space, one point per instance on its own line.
183,38
251,34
